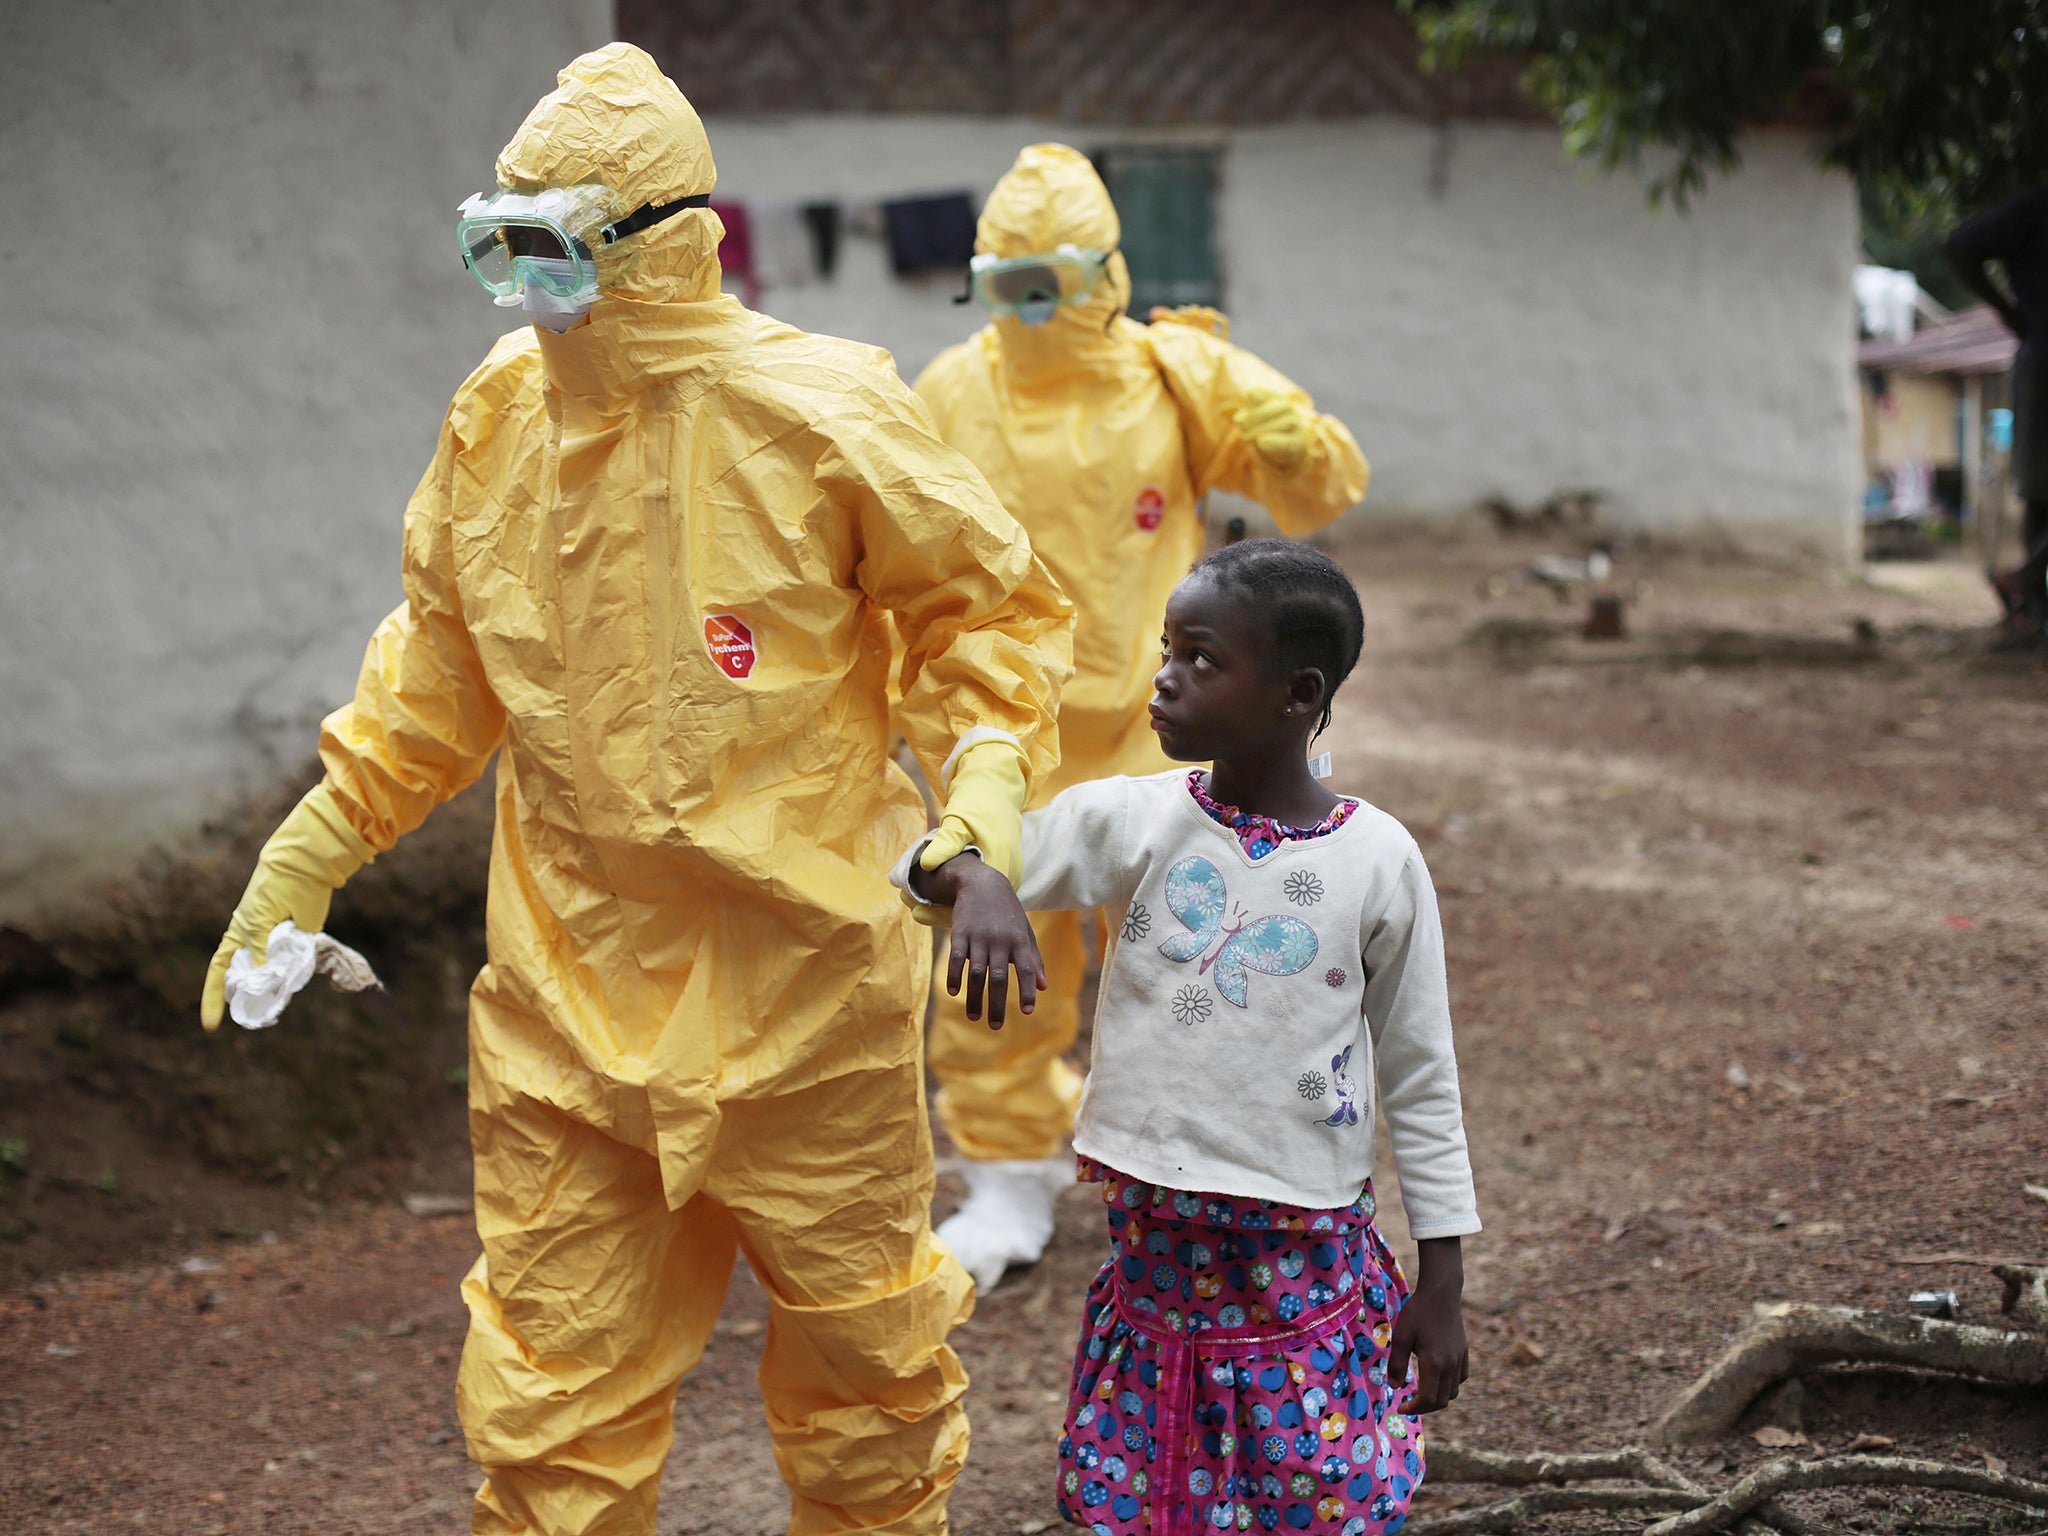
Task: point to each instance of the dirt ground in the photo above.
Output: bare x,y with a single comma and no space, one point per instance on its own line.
1746,917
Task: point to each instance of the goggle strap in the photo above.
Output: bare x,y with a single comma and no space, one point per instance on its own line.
653,213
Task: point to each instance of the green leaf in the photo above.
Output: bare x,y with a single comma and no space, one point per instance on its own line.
1941,101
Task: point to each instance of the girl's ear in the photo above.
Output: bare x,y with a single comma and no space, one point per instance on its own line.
1306,694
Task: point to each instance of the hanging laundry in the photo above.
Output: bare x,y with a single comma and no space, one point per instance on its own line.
782,246
929,234
736,251
822,221
863,219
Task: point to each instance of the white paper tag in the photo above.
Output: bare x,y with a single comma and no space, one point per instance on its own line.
1319,767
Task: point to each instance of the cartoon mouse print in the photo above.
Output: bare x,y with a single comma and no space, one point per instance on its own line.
1346,1112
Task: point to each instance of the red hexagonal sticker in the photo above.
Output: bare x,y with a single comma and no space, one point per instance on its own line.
730,642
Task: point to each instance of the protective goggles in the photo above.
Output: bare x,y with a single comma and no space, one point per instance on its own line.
548,238
1032,288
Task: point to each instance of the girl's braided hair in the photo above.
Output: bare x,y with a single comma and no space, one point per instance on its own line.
1309,604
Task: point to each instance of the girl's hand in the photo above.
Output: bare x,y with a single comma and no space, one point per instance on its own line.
1430,1329
991,936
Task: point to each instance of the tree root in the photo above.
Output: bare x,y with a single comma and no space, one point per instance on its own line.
1461,1464
2026,1293
1774,1516
1777,1477
1507,1469
1781,1340
1784,1338
1751,1505
1512,1514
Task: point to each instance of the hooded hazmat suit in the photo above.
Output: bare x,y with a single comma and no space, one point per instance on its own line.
653,566
1100,435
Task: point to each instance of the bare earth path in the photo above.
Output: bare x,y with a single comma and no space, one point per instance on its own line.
1747,924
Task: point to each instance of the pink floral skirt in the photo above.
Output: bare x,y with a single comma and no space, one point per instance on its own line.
1232,1371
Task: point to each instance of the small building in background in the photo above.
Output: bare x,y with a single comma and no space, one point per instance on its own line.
222,390
1492,319
1936,420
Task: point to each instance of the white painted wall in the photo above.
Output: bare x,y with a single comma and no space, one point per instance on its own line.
1488,318
232,316
1537,327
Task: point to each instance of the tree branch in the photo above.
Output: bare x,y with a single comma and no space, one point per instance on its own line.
1510,1469
1784,1338
1462,1464
1510,1513
1776,1477
1518,1469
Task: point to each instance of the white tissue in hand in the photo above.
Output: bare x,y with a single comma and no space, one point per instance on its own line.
257,993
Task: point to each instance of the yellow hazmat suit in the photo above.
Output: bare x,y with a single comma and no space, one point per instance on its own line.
653,565
1101,435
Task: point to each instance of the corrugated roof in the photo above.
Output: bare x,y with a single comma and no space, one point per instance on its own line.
1974,341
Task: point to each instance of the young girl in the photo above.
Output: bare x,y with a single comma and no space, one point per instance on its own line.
1246,1351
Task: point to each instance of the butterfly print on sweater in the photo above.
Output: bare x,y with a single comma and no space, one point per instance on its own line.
1224,936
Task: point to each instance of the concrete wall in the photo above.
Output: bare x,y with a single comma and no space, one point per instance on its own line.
233,316
1488,318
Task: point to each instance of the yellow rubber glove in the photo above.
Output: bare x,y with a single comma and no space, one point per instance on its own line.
1202,317
308,858
984,807
1276,425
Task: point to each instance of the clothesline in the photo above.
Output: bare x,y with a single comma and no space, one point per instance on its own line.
787,244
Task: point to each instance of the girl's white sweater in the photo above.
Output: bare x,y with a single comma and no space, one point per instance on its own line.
1248,1007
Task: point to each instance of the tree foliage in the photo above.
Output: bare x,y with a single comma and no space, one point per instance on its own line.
1936,107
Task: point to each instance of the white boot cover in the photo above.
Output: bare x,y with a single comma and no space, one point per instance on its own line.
1007,1216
